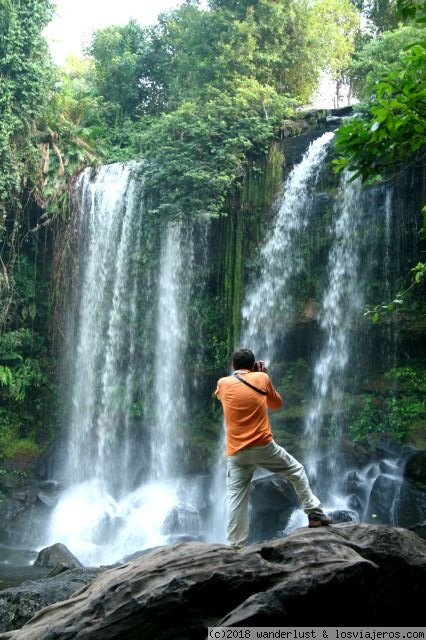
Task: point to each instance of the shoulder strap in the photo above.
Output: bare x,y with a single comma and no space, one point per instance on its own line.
264,393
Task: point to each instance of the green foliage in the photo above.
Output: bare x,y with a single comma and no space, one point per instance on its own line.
392,129
118,54
25,81
408,378
23,374
395,416
27,392
12,444
381,15
69,135
378,57
199,90
197,153
376,312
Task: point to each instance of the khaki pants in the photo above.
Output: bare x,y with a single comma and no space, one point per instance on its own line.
240,469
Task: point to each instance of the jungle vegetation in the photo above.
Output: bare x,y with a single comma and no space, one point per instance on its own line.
193,96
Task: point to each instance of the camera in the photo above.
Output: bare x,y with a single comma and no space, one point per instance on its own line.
259,366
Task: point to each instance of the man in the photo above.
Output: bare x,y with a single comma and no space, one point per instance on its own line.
246,396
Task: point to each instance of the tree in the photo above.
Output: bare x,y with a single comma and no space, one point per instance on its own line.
337,25
392,130
69,134
284,44
202,88
117,52
26,80
379,56
381,15
390,133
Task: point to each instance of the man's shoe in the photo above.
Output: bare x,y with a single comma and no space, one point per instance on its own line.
318,520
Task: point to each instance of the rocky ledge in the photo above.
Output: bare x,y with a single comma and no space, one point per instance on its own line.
345,574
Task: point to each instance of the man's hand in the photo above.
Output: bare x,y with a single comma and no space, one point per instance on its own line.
262,366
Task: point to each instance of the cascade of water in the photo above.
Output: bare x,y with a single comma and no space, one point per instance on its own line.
387,262
101,351
172,335
391,356
217,520
268,308
129,336
342,303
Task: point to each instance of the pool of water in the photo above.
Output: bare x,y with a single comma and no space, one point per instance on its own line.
16,566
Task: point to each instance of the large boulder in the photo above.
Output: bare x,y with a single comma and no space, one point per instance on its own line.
384,499
272,501
415,467
411,505
57,555
182,519
345,574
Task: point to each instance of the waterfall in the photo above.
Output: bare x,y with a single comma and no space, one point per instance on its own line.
269,308
172,333
342,303
134,352
101,350
126,377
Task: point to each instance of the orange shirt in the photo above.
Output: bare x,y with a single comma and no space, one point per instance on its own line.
246,410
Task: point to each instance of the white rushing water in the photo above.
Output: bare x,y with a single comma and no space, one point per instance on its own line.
128,334
268,307
342,303
101,349
172,333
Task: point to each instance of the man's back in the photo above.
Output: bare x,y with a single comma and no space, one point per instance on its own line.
246,410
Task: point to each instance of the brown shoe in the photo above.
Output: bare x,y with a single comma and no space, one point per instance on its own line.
318,520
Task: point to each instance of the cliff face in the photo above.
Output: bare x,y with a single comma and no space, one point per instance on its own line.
383,357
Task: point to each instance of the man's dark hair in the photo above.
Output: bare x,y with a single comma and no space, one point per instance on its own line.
243,359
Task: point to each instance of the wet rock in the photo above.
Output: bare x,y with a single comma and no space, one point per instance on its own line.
48,492
355,503
353,454
388,466
182,519
19,604
343,515
383,497
57,554
372,472
419,529
369,575
12,510
272,501
352,482
415,467
184,538
411,505
357,489
387,447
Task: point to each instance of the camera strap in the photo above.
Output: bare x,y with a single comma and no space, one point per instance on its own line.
264,393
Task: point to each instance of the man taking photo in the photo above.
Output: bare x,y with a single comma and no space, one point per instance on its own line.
246,397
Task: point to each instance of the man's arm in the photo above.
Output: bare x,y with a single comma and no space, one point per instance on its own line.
273,398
